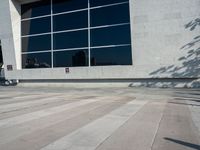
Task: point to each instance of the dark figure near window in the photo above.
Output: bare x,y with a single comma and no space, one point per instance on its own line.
93,61
32,63
1,57
79,59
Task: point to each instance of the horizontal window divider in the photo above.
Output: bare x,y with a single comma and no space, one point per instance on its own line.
108,5
70,49
34,52
80,29
96,27
72,11
43,16
72,30
69,12
82,48
112,25
32,35
110,46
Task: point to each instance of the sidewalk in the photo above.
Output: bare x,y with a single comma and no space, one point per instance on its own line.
99,119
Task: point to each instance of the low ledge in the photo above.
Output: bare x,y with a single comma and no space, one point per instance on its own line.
96,83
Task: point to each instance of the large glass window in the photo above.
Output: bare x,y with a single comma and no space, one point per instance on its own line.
75,33
74,58
70,21
36,26
111,56
68,5
36,43
110,36
105,2
75,39
36,60
35,9
110,15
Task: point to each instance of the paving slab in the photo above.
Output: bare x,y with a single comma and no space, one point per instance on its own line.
177,130
139,131
99,119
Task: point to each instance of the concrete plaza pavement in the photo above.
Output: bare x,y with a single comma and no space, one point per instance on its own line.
99,119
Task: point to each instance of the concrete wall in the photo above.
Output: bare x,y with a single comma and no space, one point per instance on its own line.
165,43
6,36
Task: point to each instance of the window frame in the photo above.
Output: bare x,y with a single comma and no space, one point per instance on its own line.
88,28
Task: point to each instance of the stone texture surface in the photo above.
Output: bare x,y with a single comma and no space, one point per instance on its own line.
165,41
99,119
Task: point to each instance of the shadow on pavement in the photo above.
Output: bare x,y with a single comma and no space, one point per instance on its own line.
188,99
183,103
187,144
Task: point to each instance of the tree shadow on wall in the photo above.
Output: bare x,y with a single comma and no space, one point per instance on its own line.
190,63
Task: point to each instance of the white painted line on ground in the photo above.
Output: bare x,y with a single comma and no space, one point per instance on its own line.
8,122
14,133
25,104
195,112
93,134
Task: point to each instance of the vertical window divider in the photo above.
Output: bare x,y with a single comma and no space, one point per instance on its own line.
89,44
52,34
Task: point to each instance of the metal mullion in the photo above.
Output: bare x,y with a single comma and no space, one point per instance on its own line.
71,49
111,25
37,17
89,44
109,46
108,5
71,30
52,34
69,12
36,52
38,34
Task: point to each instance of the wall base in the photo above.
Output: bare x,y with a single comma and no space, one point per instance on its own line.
94,83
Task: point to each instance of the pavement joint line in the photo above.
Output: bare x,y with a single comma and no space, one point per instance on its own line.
154,137
97,131
51,123
195,114
8,122
27,104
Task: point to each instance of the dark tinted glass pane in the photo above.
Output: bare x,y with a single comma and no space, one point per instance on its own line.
71,39
111,56
105,2
71,21
37,60
110,15
36,9
1,57
68,5
36,43
111,36
71,58
35,26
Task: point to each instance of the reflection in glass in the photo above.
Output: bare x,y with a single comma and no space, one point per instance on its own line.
110,15
35,9
36,43
74,39
37,60
111,56
111,35
36,26
1,56
68,5
105,2
71,47
71,21
73,58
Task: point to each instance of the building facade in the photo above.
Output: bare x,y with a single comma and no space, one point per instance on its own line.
126,40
